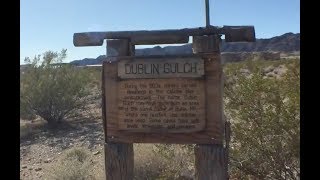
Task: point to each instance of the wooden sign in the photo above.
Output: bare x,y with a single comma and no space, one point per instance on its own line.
161,68
161,105
155,98
163,99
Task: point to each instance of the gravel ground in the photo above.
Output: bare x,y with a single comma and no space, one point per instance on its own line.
41,150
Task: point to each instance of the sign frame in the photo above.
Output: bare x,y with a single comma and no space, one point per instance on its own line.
213,133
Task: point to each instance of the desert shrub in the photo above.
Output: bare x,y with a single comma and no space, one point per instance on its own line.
179,160
75,164
147,165
163,161
26,113
52,90
265,122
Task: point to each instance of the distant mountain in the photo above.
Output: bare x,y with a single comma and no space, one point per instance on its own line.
286,43
88,61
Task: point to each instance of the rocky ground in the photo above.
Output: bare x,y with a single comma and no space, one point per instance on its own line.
41,150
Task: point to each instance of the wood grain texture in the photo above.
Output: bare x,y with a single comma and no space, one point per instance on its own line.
211,159
212,133
119,161
117,47
239,34
205,44
118,156
103,103
166,36
159,39
210,162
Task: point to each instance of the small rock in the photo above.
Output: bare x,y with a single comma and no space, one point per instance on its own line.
38,169
245,71
47,160
97,152
270,74
268,69
30,168
57,140
50,143
24,166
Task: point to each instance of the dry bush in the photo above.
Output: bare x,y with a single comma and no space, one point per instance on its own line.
163,161
75,164
147,165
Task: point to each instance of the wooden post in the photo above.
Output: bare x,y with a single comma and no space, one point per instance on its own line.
118,156
210,160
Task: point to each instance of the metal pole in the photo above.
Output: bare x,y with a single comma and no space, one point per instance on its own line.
207,14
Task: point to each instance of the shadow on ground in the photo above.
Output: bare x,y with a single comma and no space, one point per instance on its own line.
84,131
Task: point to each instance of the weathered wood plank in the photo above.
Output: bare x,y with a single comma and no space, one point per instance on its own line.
159,39
119,161
117,47
104,120
233,33
210,159
118,156
166,67
210,162
205,44
213,132
239,34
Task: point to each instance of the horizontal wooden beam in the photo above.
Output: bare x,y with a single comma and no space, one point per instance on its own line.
239,34
159,39
170,36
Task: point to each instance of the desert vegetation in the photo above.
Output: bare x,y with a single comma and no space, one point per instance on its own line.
261,100
264,111
53,91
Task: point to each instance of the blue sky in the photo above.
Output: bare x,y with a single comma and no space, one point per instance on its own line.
50,24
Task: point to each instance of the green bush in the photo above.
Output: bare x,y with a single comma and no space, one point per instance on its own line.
265,118
53,90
